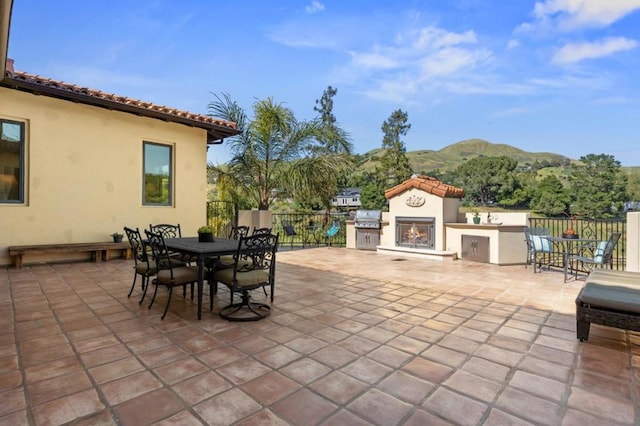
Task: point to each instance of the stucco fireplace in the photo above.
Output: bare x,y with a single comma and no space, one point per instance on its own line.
418,210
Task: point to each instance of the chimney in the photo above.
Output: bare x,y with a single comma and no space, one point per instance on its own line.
10,65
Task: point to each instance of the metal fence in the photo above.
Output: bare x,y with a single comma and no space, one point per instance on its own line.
310,229
598,229
222,216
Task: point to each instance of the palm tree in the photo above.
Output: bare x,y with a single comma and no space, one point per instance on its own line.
270,156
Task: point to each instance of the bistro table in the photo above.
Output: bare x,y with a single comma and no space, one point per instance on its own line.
191,247
567,246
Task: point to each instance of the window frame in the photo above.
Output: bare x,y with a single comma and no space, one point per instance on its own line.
171,179
22,162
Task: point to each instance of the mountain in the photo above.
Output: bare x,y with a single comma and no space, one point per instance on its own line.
450,157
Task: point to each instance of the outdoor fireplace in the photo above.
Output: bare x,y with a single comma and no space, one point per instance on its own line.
415,232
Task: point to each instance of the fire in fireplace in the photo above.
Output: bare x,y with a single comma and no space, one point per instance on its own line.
415,232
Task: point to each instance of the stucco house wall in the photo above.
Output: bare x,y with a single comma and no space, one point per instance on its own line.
84,172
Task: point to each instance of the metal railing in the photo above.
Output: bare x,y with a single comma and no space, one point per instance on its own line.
310,229
597,229
222,216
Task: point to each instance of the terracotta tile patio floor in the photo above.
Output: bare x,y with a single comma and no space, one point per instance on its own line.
355,338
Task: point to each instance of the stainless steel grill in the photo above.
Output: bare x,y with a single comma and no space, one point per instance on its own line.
368,219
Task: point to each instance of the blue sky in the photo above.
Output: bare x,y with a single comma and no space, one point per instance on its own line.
545,76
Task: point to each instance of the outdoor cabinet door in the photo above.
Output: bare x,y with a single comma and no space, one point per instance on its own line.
367,239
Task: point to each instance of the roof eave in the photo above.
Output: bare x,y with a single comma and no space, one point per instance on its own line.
215,133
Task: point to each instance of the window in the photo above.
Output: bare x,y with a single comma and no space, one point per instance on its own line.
11,161
158,175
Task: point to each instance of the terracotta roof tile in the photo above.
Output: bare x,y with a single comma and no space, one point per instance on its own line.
427,184
216,128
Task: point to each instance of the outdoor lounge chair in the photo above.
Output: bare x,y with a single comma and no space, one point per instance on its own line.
610,298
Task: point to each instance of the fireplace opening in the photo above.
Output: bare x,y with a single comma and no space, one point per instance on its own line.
415,232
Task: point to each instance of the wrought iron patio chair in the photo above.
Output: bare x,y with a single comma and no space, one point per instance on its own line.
226,261
144,265
238,232
254,267
168,274
540,249
257,230
173,231
590,255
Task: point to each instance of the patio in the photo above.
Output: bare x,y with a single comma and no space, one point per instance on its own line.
354,338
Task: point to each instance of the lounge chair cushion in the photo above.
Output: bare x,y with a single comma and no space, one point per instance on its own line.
616,290
613,277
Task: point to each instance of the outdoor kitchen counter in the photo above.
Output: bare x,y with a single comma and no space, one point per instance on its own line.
505,244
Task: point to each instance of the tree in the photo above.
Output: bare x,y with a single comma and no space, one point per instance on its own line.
332,139
550,198
598,186
487,179
271,155
394,164
633,186
332,142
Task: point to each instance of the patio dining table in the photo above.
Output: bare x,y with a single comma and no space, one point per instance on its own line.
201,251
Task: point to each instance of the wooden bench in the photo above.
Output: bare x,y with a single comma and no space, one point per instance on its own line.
610,298
99,251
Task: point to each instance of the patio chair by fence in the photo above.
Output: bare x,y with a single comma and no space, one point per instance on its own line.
590,255
290,232
332,232
539,248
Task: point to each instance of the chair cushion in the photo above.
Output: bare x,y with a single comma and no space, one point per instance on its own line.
226,262
599,251
142,269
244,279
181,276
540,243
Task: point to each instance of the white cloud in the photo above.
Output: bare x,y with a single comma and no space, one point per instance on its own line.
576,52
416,62
373,60
314,7
569,15
452,60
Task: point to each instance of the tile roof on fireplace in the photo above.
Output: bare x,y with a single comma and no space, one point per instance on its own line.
427,184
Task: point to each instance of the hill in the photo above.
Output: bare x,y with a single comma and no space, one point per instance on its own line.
450,157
